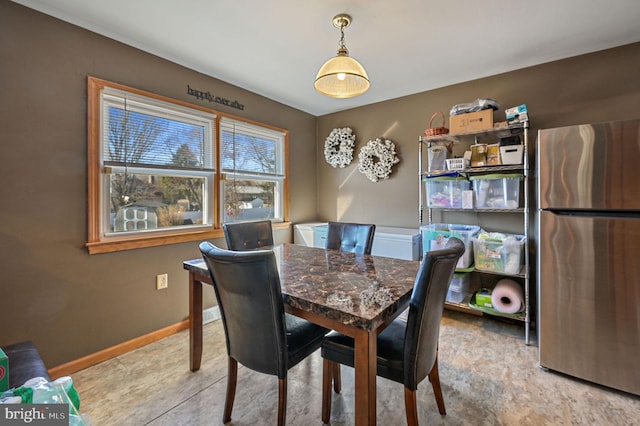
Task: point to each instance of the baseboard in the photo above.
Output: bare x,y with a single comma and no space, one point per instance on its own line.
208,315
112,352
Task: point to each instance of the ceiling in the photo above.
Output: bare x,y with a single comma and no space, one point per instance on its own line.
275,48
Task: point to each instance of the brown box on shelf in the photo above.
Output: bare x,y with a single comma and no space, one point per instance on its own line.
479,155
493,155
471,121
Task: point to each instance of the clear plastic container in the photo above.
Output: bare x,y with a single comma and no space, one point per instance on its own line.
436,235
496,252
460,288
497,191
446,191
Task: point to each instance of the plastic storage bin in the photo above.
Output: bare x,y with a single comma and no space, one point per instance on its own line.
460,288
497,252
512,154
457,163
436,235
446,191
497,191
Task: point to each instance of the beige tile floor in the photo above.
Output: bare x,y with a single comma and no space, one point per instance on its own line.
489,377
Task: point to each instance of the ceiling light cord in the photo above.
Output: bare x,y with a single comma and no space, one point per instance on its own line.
342,47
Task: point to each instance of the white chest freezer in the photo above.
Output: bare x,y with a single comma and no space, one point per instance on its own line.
305,233
400,243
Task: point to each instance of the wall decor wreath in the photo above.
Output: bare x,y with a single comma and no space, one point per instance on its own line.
377,158
338,147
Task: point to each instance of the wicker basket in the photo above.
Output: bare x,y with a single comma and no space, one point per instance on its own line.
433,131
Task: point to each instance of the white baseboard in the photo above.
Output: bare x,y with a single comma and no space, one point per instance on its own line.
210,314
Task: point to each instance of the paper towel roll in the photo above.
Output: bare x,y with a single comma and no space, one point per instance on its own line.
507,297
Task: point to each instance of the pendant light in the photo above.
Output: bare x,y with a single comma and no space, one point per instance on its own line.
342,76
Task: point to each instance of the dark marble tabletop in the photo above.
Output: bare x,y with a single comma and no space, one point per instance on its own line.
359,290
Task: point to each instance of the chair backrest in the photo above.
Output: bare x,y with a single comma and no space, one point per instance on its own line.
247,287
248,235
350,237
425,311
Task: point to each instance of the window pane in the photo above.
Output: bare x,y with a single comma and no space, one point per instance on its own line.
245,153
151,201
249,199
138,138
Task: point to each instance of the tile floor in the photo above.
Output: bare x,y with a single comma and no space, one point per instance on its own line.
489,377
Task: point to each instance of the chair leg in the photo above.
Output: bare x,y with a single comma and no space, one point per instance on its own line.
434,378
337,381
282,401
232,377
327,372
411,406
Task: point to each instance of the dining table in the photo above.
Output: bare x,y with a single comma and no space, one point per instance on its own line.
355,294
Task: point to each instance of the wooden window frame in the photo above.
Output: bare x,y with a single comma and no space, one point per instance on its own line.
97,242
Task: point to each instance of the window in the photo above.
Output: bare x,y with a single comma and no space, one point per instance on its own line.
155,177
157,164
252,164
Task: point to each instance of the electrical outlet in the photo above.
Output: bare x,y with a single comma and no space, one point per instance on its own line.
162,281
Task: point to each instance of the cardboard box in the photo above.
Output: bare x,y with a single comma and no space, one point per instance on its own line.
471,121
479,155
493,155
4,371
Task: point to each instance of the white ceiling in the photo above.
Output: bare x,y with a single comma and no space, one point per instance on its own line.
275,47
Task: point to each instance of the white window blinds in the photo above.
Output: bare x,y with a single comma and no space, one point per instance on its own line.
143,132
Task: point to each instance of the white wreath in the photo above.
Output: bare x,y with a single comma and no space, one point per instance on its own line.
338,147
379,168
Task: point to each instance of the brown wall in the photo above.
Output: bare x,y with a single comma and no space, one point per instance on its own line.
589,88
73,304
52,291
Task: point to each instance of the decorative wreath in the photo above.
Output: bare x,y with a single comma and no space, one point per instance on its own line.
376,159
338,147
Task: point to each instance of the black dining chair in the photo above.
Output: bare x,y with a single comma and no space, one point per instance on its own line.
259,334
248,235
407,349
350,237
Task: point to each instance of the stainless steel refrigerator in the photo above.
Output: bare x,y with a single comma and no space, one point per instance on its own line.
588,247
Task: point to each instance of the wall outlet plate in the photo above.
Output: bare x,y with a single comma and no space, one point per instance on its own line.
162,281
